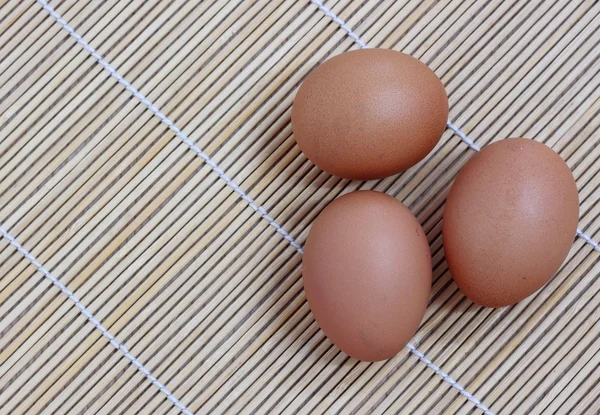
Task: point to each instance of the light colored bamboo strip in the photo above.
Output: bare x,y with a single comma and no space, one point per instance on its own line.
519,322
58,82
113,123
406,22
124,196
83,174
42,370
303,341
36,368
100,401
12,27
36,66
580,152
271,349
21,308
264,63
259,331
15,63
531,363
68,400
587,393
143,91
11,306
208,35
576,351
116,381
53,381
399,397
332,360
14,14
8,260
6,252
145,261
543,80
216,353
9,11
41,157
40,36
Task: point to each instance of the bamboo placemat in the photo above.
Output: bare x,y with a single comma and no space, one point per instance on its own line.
153,206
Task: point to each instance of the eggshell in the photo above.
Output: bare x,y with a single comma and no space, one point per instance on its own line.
509,221
367,274
369,113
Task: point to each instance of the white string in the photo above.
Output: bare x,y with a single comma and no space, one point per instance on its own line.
211,163
448,379
113,341
588,240
340,22
462,136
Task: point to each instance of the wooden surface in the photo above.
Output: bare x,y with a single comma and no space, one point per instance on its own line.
198,286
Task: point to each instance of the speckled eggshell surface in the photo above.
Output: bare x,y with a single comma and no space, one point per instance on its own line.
509,221
367,274
369,113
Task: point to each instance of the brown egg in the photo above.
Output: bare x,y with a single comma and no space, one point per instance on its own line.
369,113
509,221
367,274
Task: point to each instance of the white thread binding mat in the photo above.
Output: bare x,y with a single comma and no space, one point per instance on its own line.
154,205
